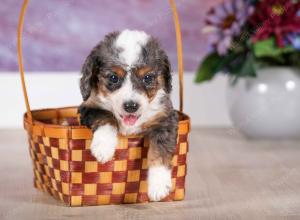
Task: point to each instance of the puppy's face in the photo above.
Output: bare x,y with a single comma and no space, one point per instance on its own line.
129,75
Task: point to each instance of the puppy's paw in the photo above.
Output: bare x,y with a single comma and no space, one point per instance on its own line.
104,143
159,182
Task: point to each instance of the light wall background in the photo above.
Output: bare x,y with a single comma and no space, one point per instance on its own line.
205,104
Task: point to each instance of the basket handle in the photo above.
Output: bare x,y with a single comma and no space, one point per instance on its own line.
178,43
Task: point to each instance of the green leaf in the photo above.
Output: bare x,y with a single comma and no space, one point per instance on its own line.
248,68
245,66
269,48
209,67
293,59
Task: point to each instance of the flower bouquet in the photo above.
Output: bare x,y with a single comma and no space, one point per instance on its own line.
247,35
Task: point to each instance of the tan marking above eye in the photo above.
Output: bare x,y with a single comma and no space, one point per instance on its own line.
119,71
143,71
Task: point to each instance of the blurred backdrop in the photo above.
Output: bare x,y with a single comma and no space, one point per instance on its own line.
59,34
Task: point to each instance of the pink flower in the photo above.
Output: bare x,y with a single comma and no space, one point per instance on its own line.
275,18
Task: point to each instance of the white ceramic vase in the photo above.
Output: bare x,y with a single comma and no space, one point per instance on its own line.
267,107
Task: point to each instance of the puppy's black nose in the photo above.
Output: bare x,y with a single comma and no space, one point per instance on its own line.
131,106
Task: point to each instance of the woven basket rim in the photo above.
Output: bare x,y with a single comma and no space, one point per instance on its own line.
183,119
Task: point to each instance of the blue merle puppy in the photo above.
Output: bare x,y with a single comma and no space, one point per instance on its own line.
126,85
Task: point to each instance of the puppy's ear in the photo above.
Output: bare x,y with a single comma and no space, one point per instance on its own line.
89,78
167,73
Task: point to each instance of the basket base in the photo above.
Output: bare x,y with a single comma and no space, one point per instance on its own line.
71,200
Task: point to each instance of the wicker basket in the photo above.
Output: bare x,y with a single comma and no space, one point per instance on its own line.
64,167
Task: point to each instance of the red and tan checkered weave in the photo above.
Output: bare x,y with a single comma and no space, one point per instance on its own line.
65,168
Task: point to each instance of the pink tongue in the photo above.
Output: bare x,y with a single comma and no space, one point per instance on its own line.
130,119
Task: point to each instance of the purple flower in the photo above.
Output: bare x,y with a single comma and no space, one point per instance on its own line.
294,40
224,22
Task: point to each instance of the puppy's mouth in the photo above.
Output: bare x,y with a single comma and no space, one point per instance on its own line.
129,119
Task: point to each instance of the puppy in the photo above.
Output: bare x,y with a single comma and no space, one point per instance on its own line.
126,85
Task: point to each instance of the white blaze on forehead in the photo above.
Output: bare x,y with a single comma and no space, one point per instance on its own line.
128,87
131,43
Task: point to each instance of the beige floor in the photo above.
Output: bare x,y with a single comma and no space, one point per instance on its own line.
228,178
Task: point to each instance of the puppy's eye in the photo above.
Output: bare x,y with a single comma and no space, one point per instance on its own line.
148,79
113,78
